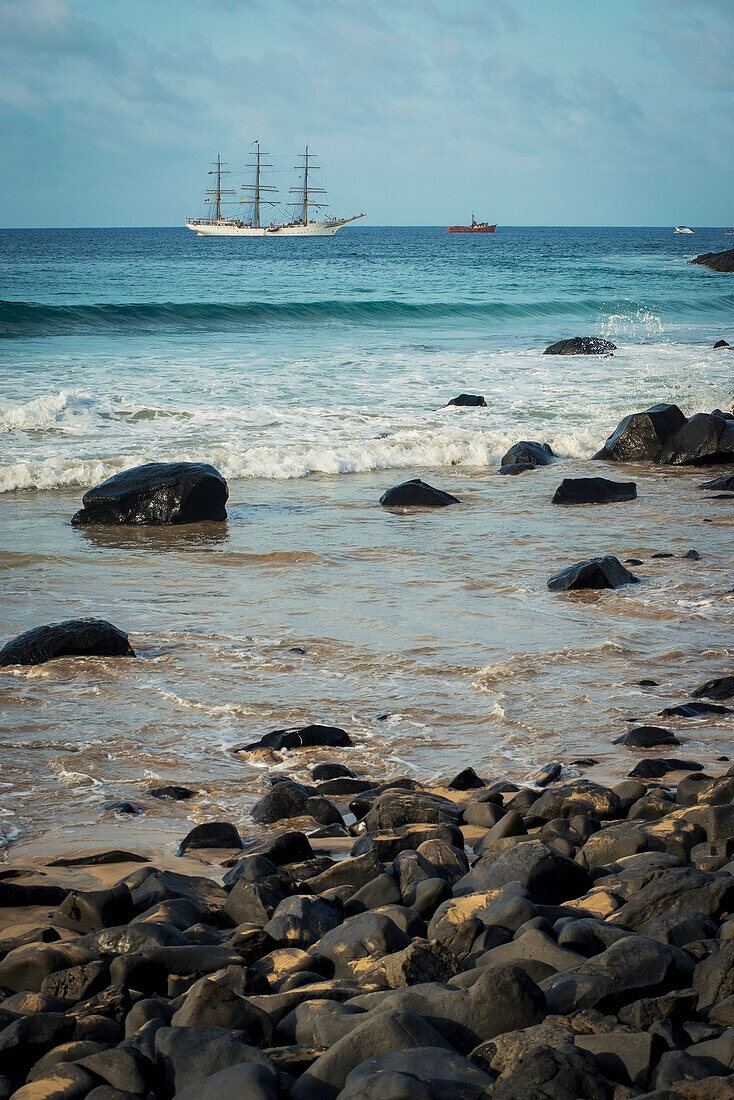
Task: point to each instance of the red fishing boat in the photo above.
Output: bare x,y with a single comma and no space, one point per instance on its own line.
475,227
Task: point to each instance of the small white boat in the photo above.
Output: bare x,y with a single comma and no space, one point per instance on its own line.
682,229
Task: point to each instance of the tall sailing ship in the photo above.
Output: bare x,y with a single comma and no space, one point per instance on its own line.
258,197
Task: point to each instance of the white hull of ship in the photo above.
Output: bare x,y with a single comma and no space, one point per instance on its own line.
313,229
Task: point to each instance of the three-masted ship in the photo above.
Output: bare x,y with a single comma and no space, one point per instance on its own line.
259,196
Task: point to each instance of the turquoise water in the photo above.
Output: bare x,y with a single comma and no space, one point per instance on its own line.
314,374
285,358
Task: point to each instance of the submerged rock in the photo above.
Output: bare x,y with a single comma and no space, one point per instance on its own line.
724,484
694,710
593,490
514,468
640,436
172,793
717,261
467,400
299,737
528,452
581,345
71,638
603,572
157,494
416,494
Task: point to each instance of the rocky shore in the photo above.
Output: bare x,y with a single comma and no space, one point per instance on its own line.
472,939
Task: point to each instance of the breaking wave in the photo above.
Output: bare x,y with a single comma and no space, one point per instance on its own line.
24,319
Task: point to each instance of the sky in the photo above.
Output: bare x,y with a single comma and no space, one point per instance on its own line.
525,112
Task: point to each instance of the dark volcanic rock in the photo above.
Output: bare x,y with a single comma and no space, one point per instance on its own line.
159,493
640,436
322,772
380,1034
299,737
172,793
71,638
721,687
554,1073
724,484
416,494
717,261
528,452
466,780
425,1073
703,440
593,490
214,834
722,344
654,767
603,572
289,799
515,468
581,345
646,737
549,877
694,710
468,400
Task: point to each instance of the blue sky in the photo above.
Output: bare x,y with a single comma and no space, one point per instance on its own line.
557,112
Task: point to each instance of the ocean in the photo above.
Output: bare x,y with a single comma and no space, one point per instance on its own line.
314,374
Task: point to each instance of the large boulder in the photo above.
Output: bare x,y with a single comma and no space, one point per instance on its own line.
549,877
380,1034
71,638
640,436
528,452
157,494
581,345
593,490
602,572
416,494
290,799
437,1071
703,440
717,261
299,737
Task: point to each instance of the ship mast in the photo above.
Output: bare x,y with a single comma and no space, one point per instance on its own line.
217,191
257,188
304,191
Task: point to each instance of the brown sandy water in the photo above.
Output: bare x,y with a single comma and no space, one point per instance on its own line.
431,637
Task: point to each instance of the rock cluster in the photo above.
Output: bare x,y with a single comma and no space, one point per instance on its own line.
664,435
565,942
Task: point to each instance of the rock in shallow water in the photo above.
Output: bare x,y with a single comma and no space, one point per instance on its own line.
416,494
71,638
528,452
593,490
646,737
157,494
468,400
299,737
603,572
581,345
640,436
721,687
